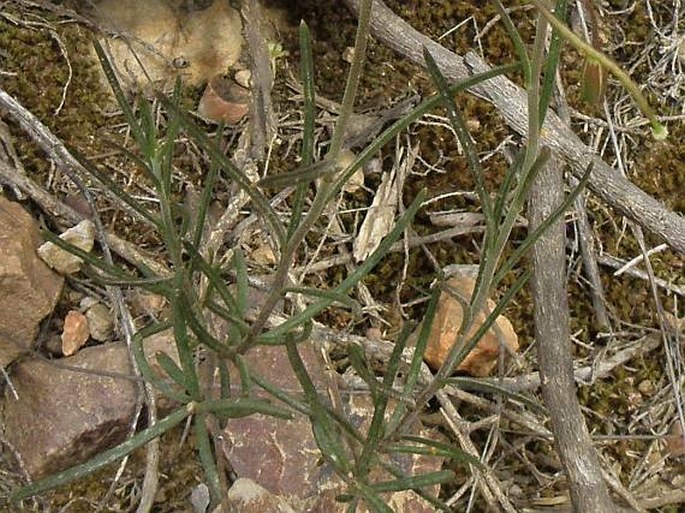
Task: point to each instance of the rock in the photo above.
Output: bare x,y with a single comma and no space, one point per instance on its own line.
100,322
63,417
247,496
224,101
147,304
243,78
29,289
282,455
196,43
279,454
82,236
356,181
200,499
448,318
75,333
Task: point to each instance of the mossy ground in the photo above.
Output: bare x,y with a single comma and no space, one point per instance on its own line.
658,167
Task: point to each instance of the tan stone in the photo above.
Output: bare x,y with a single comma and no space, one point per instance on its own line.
75,332
81,235
169,41
448,319
100,322
29,289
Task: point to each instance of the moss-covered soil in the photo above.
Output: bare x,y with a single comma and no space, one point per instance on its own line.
35,72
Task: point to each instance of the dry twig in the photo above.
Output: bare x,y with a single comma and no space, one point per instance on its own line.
510,100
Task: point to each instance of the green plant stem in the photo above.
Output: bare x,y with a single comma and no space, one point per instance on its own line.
533,94
659,131
326,188
354,76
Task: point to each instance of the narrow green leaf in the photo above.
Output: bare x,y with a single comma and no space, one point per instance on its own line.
373,501
515,37
519,197
111,76
242,285
434,447
243,407
237,326
142,165
238,176
401,124
414,482
308,113
341,299
144,367
214,277
352,279
552,62
89,258
353,78
179,314
193,320
169,365
459,125
282,395
363,369
490,386
303,175
113,190
245,375
377,427
325,431
523,248
224,379
417,360
148,146
203,207
503,194
207,459
454,359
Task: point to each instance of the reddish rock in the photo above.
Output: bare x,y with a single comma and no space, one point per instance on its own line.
282,455
63,417
448,319
224,101
75,332
29,289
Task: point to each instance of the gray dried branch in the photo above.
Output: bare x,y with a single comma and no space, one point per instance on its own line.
588,489
510,100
